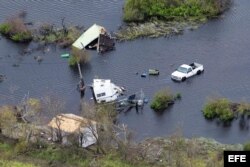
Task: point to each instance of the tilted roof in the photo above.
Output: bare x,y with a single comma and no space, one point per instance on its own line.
70,123
88,36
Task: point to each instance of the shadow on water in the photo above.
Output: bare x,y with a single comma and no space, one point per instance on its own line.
164,112
244,123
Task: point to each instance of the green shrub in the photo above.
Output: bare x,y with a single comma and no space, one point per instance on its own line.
220,108
7,119
244,108
247,146
21,147
209,111
50,38
162,100
5,28
78,56
72,61
142,10
15,29
7,163
22,37
178,96
73,33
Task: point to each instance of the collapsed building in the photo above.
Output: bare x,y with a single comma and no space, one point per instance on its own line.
96,37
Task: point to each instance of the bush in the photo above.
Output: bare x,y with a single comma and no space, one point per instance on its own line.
218,108
22,37
73,33
15,29
5,28
21,147
7,118
142,10
8,163
73,61
244,108
78,56
162,100
247,146
50,38
178,96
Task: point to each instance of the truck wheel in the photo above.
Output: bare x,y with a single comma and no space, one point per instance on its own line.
183,79
198,72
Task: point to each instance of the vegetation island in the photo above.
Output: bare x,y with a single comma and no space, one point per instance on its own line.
18,30
151,18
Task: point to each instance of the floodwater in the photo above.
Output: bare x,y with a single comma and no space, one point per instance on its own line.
222,45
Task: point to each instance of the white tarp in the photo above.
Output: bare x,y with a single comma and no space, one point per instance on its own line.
88,136
88,36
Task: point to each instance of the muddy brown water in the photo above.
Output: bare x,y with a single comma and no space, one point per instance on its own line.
222,45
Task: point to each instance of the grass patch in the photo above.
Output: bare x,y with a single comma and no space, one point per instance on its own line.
246,146
6,150
6,163
64,155
175,151
115,161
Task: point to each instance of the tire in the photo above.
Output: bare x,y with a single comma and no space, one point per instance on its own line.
183,79
198,72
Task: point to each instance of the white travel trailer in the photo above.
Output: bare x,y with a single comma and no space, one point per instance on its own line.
106,91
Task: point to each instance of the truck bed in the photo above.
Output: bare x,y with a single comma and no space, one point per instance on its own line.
195,65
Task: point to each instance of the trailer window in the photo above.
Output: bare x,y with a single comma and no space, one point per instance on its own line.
101,94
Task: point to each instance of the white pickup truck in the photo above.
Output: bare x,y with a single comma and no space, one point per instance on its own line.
185,71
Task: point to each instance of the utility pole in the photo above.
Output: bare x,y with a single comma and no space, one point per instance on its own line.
79,69
81,83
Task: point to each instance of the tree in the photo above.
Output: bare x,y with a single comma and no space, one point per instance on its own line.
109,134
8,120
28,108
54,106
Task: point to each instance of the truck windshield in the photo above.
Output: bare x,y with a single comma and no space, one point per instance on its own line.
182,69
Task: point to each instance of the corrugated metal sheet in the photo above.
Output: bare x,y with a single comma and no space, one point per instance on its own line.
88,36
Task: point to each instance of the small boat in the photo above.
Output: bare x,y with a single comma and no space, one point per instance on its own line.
66,55
153,72
143,75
